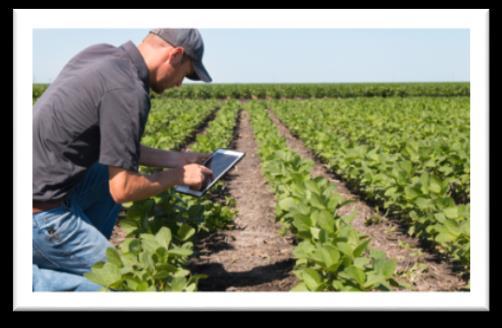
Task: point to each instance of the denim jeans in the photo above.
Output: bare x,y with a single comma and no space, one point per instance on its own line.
69,239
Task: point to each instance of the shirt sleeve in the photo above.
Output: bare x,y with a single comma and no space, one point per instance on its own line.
122,119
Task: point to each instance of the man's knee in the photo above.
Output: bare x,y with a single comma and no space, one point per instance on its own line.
88,254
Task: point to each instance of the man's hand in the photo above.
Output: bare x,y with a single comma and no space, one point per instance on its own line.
194,175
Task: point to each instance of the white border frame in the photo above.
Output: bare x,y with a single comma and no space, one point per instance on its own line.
475,20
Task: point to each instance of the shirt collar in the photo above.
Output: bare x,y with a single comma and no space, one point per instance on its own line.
138,61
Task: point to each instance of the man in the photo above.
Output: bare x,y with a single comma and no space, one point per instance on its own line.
87,128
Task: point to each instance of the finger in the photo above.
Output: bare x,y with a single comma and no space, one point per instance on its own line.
205,170
203,182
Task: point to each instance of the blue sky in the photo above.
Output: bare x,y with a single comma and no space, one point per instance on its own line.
290,55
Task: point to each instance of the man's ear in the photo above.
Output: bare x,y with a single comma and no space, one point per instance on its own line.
175,56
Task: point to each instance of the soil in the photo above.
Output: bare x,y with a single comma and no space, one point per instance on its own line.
253,256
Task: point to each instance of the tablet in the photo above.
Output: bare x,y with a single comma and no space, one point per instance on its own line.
220,162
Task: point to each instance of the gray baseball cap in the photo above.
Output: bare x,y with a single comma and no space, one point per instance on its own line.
190,40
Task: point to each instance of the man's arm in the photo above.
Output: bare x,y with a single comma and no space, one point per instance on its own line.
164,158
126,186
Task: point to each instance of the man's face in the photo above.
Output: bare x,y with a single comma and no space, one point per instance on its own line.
172,73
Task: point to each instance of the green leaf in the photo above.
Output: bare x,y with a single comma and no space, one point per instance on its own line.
134,283
385,267
135,246
373,280
423,203
361,248
287,204
300,287
410,193
106,275
446,170
361,262
149,243
303,249
313,187
317,202
178,284
440,217
355,274
435,185
181,273
444,237
424,180
163,274
337,285
180,251
315,232
391,192
451,212
344,248
128,226
191,287
185,232
325,220
163,237
377,254
302,222
311,278
113,257
331,257
147,259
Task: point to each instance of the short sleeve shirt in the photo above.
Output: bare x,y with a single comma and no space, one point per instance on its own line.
95,111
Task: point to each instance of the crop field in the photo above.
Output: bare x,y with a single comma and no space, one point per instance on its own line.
344,187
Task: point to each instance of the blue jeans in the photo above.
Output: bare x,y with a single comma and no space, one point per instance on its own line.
69,239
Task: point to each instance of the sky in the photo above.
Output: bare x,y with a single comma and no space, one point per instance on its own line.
308,55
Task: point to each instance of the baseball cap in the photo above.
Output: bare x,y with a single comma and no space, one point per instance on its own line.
190,40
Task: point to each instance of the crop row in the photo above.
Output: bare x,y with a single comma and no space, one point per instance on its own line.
171,122
306,90
409,156
331,255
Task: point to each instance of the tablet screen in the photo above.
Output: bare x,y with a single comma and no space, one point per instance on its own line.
218,163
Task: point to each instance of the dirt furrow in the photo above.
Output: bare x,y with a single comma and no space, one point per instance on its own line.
253,256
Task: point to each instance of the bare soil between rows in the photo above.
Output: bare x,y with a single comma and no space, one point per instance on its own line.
252,256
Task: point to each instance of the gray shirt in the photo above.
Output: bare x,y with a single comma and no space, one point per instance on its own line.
95,111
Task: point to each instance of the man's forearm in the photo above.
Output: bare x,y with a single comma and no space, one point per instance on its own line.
133,186
159,158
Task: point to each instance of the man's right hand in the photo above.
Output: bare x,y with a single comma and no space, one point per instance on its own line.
194,175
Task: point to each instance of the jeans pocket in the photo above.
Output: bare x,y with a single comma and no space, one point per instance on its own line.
55,224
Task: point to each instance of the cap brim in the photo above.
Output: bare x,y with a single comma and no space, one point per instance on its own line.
200,73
